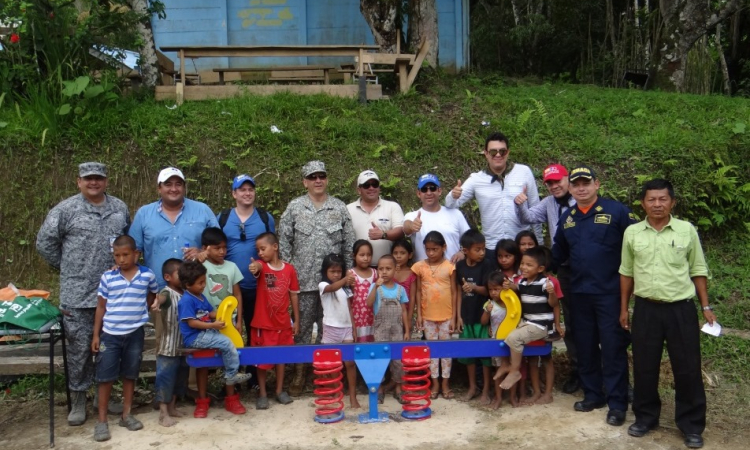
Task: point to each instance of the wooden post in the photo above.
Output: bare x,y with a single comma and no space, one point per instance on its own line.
181,85
360,66
398,41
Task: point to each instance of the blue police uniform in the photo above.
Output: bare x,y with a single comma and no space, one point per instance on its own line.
592,242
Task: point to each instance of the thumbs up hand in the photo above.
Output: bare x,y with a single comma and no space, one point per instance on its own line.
549,286
456,192
374,233
416,224
254,267
467,287
521,198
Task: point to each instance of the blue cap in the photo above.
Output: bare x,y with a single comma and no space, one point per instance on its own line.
427,179
239,180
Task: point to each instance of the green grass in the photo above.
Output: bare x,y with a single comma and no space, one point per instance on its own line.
699,142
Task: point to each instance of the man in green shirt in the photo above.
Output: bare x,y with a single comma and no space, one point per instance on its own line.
663,265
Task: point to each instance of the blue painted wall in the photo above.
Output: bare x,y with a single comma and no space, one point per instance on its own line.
293,22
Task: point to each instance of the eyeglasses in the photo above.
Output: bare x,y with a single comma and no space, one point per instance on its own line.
494,152
431,188
370,184
317,176
243,237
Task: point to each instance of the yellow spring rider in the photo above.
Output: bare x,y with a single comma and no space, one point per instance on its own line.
224,313
512,317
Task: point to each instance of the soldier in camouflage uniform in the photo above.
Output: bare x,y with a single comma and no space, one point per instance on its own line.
313,226
76,239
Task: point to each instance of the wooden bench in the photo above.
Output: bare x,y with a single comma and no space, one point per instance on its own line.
283,73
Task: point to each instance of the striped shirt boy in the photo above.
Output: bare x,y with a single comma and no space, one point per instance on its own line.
126,309
535,307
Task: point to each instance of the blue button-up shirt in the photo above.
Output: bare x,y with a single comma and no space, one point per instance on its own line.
159,239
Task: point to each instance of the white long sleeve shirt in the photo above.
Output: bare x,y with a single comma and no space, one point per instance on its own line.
496,199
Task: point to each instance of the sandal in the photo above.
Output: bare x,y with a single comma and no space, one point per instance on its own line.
261,403
448,395
434,395
399,396
101,432
283,398
131,423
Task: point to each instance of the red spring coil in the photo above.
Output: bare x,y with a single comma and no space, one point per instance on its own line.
327,367
416,363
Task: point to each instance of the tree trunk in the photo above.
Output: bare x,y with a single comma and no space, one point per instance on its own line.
423,26
723,61
381,17
686,21
148,62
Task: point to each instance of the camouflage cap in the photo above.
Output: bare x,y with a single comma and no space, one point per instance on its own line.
88,169
313,167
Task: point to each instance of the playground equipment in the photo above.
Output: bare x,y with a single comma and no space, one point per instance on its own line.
372,360
224,313
416,385
327,367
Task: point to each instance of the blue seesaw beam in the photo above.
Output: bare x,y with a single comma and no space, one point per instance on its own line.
292,354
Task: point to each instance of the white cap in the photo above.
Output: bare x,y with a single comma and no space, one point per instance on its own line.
168,173
365,176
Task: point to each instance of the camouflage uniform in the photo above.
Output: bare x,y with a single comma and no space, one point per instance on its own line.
76,239
306,236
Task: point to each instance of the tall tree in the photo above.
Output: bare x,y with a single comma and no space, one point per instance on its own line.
685,22
423,25
381,16
148,62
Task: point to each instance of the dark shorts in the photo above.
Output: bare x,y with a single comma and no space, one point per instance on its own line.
270,338
171,377
475,331
119,356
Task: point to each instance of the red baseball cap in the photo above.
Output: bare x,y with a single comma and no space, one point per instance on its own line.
555,172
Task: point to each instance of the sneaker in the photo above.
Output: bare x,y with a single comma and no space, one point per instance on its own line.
237,379
101,432
131,423
201,408
553,337
233,405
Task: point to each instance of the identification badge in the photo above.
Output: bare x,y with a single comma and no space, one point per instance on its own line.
603,218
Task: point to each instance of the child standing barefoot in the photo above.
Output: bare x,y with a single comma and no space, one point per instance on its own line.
364,277
493,315
337,314
171,368
436,296
390,304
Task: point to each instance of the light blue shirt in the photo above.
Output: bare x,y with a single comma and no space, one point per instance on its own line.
127,309
397,292
239,251
159,239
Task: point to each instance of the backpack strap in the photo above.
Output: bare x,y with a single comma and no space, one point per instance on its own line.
223,217
262,213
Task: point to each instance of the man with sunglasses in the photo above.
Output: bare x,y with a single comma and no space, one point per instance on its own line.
451,223
495,189
242,224
313,226
377,220
549,210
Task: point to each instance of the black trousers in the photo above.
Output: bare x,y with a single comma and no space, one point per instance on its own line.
602,346
677,324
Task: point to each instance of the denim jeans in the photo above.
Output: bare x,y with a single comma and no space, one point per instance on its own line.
171,377
214,339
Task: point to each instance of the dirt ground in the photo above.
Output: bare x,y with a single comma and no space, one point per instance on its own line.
454,425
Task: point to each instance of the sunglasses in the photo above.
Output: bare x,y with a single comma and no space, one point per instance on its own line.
316,176
243,237
370,184
431,188
494,152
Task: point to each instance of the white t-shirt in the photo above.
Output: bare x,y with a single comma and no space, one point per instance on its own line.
335,307
451,223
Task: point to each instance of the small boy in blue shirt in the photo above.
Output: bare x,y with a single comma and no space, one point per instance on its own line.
125,296
200,330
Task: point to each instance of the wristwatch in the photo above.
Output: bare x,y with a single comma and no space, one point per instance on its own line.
708,308
385,235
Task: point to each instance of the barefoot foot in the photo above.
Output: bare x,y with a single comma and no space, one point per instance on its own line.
510,380
174,412
469,395
544,399
354,404
485,400
166,421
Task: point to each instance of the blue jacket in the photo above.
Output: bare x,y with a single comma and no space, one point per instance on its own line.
592,242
